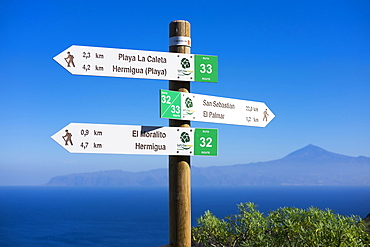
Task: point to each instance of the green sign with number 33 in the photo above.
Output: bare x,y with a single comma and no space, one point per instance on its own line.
206,68
170,104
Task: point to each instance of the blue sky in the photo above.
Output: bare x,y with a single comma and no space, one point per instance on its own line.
307,60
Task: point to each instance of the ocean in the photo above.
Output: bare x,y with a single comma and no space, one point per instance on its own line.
95,217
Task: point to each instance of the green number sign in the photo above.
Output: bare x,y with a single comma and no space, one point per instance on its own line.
170,104
205,142
206,68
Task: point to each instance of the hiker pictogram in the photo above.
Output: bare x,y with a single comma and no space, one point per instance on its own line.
69,60
68,138
265,114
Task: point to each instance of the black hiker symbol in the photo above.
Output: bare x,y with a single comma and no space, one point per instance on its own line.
265,115
68,138
69,60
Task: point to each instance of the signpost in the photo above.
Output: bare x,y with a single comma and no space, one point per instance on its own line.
179,140
179,166
133,139
100,61
204,108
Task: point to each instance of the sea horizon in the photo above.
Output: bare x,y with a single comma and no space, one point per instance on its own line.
136,216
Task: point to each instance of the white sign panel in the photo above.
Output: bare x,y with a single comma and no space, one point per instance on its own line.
204,108
100,61
133,139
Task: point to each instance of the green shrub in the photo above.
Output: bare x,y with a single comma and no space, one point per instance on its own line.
282,227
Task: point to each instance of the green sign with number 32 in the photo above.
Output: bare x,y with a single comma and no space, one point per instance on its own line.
170,104
206,142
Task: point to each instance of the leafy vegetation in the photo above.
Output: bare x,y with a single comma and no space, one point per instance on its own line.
283,227
367,223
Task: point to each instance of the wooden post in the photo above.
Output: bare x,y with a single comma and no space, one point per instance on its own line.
179,166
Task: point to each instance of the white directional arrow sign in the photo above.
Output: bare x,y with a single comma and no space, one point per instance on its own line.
99,61
133,139
204,108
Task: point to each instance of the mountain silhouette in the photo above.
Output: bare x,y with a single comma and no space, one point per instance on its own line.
312,153
310,165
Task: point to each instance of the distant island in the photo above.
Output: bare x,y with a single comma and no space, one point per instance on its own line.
309,166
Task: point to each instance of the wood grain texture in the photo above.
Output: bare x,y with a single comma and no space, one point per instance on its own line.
179,166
